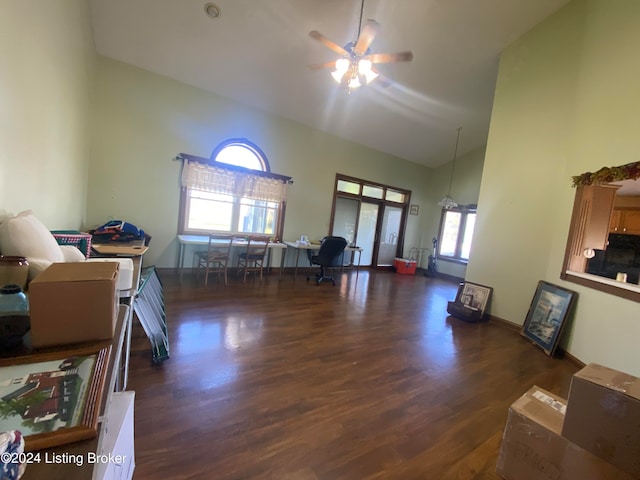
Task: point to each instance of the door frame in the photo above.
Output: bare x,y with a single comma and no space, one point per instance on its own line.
358,195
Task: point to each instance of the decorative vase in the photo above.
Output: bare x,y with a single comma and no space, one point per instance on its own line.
14,270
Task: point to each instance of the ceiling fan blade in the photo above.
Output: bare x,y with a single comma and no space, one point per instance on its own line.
367,35
328,43
390,57
318,66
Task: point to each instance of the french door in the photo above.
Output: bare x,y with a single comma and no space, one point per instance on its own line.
372,217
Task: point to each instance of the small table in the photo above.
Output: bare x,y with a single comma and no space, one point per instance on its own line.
185,240
299,246
135,251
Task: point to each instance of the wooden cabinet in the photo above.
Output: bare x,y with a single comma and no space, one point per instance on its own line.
625,220
590,223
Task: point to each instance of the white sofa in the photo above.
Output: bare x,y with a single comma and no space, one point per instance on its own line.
25,236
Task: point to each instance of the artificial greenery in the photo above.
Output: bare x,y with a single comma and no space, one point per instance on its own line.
630,171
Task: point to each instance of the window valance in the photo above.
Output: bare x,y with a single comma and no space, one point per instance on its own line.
230,180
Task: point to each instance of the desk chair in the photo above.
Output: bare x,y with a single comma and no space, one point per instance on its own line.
331,250
254,256
216,257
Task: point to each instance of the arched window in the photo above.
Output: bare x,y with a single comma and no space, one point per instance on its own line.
234,193
242,153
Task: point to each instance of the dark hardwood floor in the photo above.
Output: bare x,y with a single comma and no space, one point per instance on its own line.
370,379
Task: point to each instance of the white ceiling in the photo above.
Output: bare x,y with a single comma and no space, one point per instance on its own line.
257,53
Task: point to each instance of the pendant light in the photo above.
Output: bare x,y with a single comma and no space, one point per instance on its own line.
447,202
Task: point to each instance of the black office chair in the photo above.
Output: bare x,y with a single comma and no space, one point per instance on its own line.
329,255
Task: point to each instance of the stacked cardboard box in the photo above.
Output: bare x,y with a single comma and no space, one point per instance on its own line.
595,435
73,303
603,416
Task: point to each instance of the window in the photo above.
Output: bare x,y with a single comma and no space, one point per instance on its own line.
456,232
234,192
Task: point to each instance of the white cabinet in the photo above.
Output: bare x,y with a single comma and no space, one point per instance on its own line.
115,454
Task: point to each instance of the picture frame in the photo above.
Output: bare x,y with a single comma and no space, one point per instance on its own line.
474,296
414,209
53,398
471,302
547,315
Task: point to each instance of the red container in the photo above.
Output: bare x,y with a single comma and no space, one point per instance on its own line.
405,266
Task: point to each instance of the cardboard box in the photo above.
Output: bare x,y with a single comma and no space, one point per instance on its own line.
603,415
533,448
73,303
405,266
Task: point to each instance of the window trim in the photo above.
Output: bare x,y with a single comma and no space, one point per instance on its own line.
182,214
464,210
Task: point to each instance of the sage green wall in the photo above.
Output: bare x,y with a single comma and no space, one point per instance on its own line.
46,64
566,102
142,120
465,190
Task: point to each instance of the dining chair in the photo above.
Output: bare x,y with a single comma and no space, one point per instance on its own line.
216,257
253,258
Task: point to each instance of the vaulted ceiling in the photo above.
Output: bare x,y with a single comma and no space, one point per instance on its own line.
257,51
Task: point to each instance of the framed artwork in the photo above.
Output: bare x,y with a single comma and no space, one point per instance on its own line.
414,209
474,297
546,317
53,398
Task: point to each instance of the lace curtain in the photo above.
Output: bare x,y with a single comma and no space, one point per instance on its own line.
231,182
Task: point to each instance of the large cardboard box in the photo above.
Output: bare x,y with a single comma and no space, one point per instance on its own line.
73,303
603,415
533,448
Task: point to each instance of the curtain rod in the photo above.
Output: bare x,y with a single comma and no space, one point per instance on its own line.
213,163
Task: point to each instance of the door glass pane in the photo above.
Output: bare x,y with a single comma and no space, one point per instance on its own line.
394,196
348,187
373,192
450,233
344,219
367,231
468,235
389,235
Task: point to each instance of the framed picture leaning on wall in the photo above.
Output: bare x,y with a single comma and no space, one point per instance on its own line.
471,303
547,314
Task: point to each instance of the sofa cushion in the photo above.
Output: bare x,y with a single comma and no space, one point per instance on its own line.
25,236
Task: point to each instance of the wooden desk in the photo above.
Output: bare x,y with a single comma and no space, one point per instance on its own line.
80,450
203,240
299,247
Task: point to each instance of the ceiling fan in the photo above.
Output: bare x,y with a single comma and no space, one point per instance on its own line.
355,66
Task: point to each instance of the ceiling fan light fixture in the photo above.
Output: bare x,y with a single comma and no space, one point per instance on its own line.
354,82
342,65
355,67
447,203
364,68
